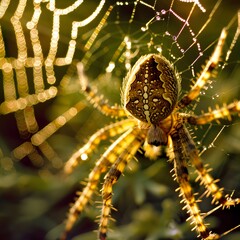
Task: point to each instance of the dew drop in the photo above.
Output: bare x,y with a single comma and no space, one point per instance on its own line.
167,33
84,157
159,49
163,11
215,96
192,70
158,18
211,145
204,148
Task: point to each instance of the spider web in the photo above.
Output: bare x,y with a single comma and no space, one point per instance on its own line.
42,40
44,118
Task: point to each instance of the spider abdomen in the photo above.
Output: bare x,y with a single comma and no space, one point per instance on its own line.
150,89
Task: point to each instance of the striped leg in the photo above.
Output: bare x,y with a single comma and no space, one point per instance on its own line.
204,176
98,101
104,133
206,73
181,172
101,166
203,173
112,177
219,113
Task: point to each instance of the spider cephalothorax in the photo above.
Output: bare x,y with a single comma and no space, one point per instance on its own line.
154,116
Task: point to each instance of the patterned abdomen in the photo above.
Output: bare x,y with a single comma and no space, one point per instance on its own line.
150,90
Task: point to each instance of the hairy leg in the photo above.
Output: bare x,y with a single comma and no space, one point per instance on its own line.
182,176
206,73
98,101
220,113
203,173
101,166
104,133
112,177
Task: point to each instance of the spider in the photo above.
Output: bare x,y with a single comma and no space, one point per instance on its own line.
152,115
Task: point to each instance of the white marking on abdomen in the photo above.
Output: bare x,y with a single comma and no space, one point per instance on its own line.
145,101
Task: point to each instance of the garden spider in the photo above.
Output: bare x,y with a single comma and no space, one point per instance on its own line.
153,118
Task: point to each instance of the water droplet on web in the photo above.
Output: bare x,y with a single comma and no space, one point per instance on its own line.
193,71
167,33
143,29
191,32
158,16
163,11
84,157
159,49
211,145
215,96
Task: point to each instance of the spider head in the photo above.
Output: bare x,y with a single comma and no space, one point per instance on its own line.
150,93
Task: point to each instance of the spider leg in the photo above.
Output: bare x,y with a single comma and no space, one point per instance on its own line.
101,166
204,176
104,133
182,176
206,73
203,173
112,177
219,113
98,101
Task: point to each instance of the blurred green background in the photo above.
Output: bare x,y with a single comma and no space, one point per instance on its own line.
35,198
